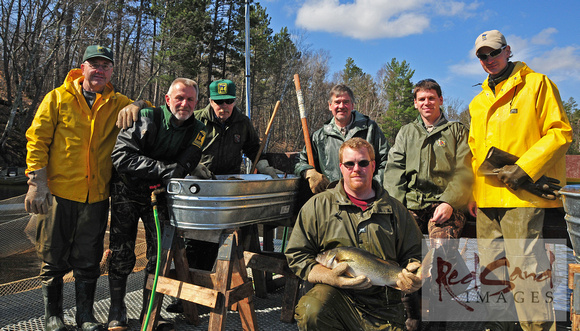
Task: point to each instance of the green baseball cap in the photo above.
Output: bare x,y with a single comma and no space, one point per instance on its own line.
98,51
222,89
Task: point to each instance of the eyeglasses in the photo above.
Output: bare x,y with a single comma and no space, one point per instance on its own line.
103,67
491,54
228,101
350,164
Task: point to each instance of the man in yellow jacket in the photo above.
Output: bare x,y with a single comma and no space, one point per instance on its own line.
520,112
69,167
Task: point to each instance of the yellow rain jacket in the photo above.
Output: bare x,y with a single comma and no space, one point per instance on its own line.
525,118
75,142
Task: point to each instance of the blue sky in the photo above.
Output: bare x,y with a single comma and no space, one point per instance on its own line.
437,37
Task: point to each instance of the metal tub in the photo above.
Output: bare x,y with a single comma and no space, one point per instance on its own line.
571,200
230,201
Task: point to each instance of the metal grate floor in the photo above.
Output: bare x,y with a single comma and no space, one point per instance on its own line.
25,311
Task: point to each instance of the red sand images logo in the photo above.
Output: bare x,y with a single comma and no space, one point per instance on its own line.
447,278
476,281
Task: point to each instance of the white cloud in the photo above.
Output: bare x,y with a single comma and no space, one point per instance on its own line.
467,68
559,63
455,8
373,19
544,37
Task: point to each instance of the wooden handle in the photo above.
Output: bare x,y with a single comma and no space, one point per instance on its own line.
302,109
263,143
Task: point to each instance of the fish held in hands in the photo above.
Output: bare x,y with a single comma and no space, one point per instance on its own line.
361,262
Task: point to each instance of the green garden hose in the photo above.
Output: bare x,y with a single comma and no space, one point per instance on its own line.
156,191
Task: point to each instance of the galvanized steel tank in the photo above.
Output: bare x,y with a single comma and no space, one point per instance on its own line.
230,201
571,199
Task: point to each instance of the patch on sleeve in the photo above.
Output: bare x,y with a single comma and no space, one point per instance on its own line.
198,142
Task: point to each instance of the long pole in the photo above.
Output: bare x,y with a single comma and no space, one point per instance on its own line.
248,89
303,120
247,28
263,143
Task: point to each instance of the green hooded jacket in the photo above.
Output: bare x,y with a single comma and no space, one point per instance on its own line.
428,167
386,229
327,140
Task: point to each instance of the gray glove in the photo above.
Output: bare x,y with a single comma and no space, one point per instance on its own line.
202,172
512,175
264,168
38,197
317,181
130,114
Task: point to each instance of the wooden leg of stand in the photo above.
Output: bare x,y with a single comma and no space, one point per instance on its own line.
233,285
268,246
245,306
574,285
290,299
251,243
182,271
217,316
165,263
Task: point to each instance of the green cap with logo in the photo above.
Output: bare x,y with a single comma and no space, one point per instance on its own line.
94,51
222,90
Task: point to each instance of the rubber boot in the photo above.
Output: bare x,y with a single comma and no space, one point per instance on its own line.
176,306
118,310
162,324
85,297
52,293
412,305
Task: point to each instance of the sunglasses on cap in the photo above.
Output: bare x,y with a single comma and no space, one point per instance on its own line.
491,54
350,164
228,101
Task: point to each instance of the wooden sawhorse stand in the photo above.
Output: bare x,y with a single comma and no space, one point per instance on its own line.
574,285
228,286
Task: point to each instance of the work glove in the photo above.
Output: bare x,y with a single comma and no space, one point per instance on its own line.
187,161
545,187
202,172
338,277
130,114
264,167
38,197
189,158
317,181
407,281
512,175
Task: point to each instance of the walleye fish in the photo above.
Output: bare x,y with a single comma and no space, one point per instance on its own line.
361,262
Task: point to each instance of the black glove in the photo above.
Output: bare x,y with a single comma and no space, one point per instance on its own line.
545,187
179,171
189,158
512,175
185,163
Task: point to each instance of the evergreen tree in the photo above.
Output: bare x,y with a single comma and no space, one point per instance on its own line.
363,87
397,93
